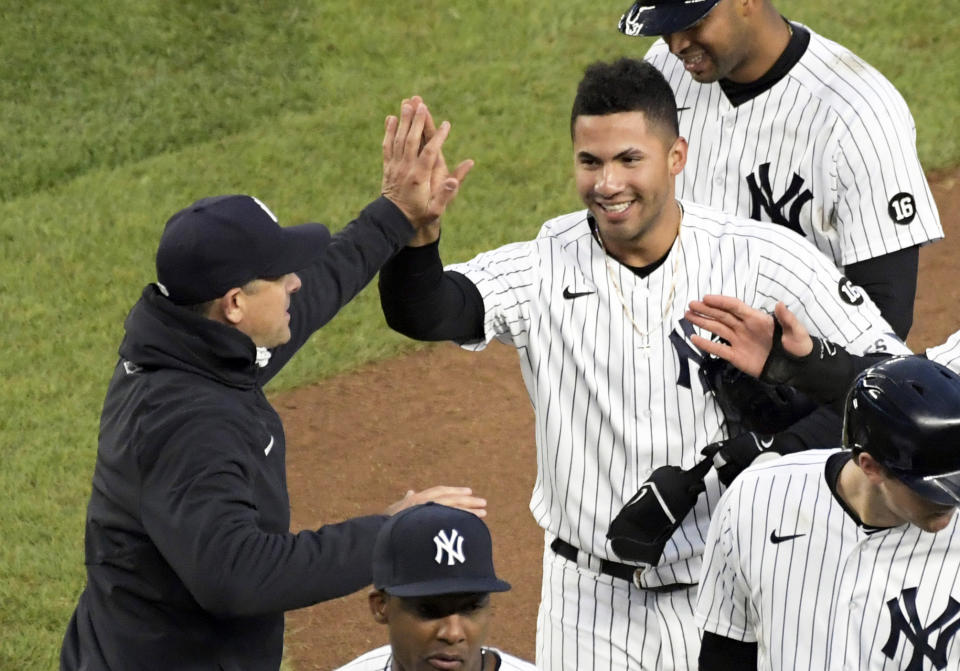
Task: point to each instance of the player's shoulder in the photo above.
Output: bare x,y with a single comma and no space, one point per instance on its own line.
658,54
510,663
844,81
566,229
374,660
769,475
710,222
559,234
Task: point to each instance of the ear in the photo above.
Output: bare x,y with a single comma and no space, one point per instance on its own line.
377,601
231,306
871,468
677,156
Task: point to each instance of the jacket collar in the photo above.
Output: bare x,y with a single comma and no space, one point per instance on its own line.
160,334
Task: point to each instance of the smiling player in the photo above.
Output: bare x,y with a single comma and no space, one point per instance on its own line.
594,305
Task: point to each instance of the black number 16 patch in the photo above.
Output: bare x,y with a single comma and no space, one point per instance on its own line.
901,208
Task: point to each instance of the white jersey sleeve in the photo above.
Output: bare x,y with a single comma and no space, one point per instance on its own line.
504,277
947,354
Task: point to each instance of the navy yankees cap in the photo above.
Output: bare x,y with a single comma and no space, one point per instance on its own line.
223,242
662,17
432,549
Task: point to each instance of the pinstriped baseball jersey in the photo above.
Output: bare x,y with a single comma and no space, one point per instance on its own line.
829,150
380,660
611,405
788,567
948,353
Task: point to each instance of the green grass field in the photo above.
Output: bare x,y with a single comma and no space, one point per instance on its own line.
114,115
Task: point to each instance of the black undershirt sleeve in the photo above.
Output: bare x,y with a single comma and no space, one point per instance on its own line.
822,428
719,653
424,302
891,281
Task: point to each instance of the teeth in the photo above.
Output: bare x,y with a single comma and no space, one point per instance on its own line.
618,207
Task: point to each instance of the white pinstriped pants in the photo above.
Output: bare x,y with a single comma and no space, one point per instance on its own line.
589,621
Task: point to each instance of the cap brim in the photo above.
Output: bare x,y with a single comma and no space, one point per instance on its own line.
301,246
943,489
643,20
449,586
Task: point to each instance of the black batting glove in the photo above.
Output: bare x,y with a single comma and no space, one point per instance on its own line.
645,524
732,455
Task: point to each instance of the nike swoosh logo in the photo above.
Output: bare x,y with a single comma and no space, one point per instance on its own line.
269,446
570,294
774,538
766,444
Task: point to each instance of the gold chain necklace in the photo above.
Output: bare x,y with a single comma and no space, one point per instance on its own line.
627,310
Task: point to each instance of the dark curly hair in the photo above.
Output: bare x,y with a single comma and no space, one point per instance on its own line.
626,85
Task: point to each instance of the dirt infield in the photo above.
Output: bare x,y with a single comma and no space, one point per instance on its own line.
445,416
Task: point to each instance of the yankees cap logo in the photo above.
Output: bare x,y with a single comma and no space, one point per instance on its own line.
445,544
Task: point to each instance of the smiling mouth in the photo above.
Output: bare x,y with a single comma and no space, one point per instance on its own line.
693,60
615,208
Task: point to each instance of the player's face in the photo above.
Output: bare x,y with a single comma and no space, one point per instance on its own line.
625,171
910,507
438,633
266,303
716,47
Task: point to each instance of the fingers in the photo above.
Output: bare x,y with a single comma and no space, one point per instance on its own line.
462,170
455,497
791,325
710,324
389,135
450,188
403,128
726,310
710,346
414,137
795,338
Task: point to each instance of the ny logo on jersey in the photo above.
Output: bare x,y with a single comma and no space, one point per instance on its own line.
761,197
445,543
687,353
912,628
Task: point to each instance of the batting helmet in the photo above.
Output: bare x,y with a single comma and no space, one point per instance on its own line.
905,412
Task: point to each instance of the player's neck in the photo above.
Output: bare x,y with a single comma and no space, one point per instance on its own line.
862,497
651,245
772,37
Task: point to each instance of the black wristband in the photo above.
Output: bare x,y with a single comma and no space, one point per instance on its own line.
824,374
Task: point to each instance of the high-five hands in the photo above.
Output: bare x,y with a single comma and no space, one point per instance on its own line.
415,174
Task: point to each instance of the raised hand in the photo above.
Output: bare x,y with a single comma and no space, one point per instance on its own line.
415,174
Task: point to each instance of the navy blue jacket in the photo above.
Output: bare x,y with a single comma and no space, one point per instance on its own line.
190,560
